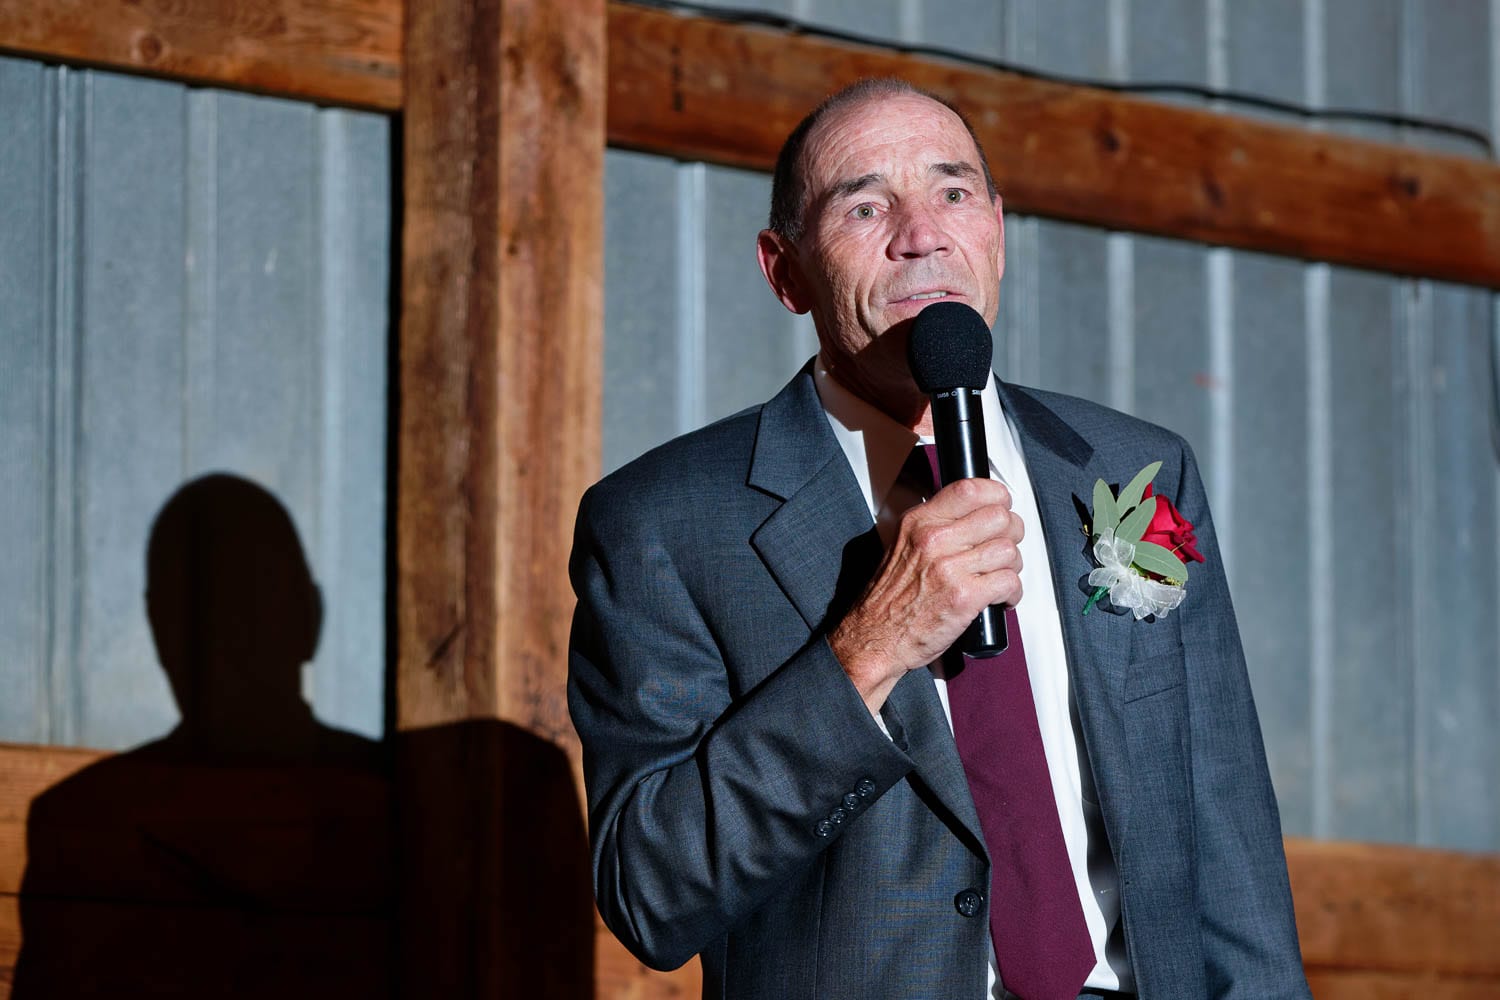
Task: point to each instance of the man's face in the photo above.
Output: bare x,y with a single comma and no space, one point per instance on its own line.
896,217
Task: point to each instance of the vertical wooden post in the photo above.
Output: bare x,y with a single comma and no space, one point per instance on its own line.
500,346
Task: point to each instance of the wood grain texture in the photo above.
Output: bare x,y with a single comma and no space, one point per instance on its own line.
1397,986
501,338
1404,910
202,879
699,89
499,429
338,51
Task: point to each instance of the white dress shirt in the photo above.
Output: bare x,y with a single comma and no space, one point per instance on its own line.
877,447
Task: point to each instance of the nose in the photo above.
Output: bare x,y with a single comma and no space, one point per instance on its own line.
918,233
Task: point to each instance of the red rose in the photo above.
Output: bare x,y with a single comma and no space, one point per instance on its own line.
1171,530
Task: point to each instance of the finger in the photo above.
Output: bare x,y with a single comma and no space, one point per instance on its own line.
963,495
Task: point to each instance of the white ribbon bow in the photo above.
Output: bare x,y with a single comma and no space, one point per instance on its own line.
1129,588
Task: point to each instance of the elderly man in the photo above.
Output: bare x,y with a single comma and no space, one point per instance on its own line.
785,773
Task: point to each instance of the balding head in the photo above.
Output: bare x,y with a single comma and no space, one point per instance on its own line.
789,182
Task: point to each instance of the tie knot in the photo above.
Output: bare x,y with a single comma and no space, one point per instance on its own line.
921,469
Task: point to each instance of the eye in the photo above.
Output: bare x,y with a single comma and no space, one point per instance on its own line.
865,211
954,195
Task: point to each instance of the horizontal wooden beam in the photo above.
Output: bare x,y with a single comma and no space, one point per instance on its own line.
1410,913
705,90
701,89
331,51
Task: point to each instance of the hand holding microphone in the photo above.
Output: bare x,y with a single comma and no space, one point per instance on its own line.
949,354
953,556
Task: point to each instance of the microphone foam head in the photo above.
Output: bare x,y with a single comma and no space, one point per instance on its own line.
950,348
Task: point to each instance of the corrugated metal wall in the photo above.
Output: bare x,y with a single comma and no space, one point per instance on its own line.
1342,417
190,281
193,281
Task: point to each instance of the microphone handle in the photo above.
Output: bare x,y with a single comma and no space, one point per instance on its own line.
963,453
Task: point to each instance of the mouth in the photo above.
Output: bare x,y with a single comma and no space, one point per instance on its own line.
926,296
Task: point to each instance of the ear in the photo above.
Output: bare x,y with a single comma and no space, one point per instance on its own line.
778,262
1000,218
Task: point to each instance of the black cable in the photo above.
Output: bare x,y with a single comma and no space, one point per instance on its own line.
732,15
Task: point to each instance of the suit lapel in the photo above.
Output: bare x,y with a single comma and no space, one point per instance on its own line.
821,547
1063,467
798,460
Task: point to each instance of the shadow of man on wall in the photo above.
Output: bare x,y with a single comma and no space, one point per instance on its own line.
248,851
254,852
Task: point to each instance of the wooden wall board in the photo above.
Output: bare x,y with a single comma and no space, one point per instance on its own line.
698,88
701,89
1407,911
331,51
497,437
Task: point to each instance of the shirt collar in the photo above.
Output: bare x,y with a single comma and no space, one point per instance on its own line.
877,446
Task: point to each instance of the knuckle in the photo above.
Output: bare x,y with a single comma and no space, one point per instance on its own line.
970,492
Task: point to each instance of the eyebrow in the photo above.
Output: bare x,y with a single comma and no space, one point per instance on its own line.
854,185
965,170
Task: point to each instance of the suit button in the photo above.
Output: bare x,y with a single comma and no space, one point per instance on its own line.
865,788
969,902
851,801
837,816
824,828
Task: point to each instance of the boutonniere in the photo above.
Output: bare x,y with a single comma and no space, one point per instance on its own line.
1139,541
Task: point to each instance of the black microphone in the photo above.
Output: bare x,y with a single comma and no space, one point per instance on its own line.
949,353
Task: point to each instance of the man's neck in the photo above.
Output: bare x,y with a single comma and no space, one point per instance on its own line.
904,404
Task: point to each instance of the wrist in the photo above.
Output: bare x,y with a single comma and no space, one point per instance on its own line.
864,665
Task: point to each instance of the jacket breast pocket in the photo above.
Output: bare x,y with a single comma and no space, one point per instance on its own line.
1155,674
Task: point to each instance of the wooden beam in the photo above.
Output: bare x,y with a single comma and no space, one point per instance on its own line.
333,51
501,340
1409,911
704,90
203,879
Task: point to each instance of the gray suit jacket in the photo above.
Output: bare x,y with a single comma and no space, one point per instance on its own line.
719,731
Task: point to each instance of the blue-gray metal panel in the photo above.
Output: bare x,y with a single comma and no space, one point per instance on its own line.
1458,749
1361,71
1072,320
641,355
1270,578
65,102
752,344
264,414
1068,36
1369,738
1265,54
971,27
789,7
1448,47
1017,338
130,373
1173,375
355,197
147,309
1072,307
27,244
869,18
1168,41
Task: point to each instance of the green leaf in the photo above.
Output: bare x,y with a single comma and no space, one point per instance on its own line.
1158,559
1106,514
1137,521
1131,495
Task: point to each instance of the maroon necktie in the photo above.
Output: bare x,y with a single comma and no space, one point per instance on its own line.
1042,943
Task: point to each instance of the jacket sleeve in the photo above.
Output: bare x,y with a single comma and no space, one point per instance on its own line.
701,803
1249,934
